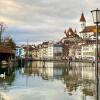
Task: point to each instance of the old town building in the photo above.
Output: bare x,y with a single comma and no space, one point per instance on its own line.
70,40
47,51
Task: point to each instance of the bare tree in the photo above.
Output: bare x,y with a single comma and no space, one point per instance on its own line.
2,28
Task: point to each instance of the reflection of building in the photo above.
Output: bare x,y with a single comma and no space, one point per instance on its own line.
82,77
99,81
51,70
88,89
47,70
88,72
72,78
88,79
76,77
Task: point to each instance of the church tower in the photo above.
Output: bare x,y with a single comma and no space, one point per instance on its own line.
82,22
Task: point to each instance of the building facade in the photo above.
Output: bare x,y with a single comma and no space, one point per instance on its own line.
48,51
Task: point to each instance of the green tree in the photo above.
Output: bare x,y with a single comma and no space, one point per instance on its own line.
9,43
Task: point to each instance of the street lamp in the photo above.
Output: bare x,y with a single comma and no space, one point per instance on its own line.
96,20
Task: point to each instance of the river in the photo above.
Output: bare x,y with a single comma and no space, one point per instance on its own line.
39,80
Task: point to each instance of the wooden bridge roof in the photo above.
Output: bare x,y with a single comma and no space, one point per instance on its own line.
5,49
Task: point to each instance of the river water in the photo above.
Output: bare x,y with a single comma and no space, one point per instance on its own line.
48,81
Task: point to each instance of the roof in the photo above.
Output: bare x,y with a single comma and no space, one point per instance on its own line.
57,45
45,43
82,18
71,33
71,36
5,49
75,31
89,29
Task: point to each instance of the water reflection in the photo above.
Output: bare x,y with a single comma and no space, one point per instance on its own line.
7,76
41,80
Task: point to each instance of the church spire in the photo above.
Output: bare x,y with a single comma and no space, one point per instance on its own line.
82,18
82,22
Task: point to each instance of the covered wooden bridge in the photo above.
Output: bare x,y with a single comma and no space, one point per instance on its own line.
6,53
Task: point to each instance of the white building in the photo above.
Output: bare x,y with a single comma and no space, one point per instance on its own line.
49,51
88,51
20,52
86,31
55,51
88,34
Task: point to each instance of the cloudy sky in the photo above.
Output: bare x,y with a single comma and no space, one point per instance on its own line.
42,20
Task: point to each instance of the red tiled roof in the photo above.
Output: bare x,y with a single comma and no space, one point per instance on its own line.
82,18
89,29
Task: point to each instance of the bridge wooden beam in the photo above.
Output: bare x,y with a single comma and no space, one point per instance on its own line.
5,49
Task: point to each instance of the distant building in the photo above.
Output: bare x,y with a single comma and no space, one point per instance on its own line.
71,40
48,51
88,50
86,32
34,53
42,51
20,52
75,51
82,23
80,45
55,51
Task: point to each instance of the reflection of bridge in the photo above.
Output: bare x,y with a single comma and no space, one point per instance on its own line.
5,53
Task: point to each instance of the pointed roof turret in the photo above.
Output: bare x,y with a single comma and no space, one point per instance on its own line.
82,18
75,31
69,32
65,31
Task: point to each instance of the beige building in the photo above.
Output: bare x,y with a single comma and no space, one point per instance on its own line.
88,50
88,34
48,51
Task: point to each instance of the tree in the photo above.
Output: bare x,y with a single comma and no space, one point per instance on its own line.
2,28
11,44
8,42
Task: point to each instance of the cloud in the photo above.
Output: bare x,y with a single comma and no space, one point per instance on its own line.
38,20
